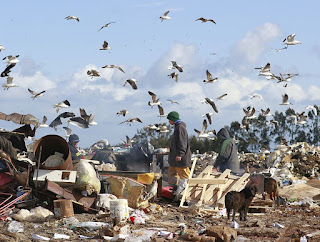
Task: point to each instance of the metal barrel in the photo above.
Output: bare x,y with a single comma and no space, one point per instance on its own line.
51,144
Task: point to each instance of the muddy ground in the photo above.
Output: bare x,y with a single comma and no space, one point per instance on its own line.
297,221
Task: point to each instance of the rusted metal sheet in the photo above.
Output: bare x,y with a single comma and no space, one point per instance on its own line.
86,202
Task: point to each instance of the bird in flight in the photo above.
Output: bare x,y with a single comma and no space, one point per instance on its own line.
36,94
213,105
11,59
289,40
132,83
2,48
63,104
7,70
9,83
131,120
265,113
165,16
175,65
208,115
88,118
105,46
106,25
155,100
93,73
285,99
172,102
174,76
122,112
68,131
72,17
222,97
43,123
209,78
161,112
114,66
79,122
204,20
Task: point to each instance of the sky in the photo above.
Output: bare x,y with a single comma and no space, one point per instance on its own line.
55,55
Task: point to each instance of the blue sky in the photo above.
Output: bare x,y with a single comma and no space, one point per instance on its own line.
56,53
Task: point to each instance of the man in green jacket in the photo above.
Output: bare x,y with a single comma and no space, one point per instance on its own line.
179,157
228,153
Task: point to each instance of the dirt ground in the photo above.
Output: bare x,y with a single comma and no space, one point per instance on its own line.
297,221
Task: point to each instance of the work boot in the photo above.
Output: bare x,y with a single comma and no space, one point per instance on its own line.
177,193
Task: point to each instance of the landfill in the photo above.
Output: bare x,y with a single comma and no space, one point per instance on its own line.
106,197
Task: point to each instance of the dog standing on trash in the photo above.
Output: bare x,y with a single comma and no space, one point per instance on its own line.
179,157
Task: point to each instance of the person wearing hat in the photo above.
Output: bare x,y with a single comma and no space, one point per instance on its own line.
73,143
179,157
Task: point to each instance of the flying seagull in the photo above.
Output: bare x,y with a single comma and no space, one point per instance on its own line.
78,121
63,104
132,83
208,115
66,115
68,131
281,49
72,17
165,16
290,40
93,73
55,123
265,113
250,113
213,105
313,108
222,97
172,102
43,123
209,78
155,100
175,65
203,133
9,83
131,120
161,112
265,70
105,46
275,123
7,70
255,95
2,48
285,99
88,118
245,124
11,59
106,25
122,112
114,66
204,20
174,76
36,94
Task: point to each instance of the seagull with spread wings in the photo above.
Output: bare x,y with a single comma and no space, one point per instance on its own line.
2,48
165,16
93,73
176,66
72,18
36,94
172,102
132,82
9,83
131,120
222,97
63,104
88,118
7,70
68,131
208,115
209,78
106,25
161,112
211,102
114,66
204,20
174,76
12,59
155,101
43,123
289,40
265,113
79,122
285,100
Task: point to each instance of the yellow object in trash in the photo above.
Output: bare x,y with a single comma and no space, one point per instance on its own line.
146,178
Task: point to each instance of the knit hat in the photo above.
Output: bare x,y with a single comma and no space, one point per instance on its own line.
173,116
74,138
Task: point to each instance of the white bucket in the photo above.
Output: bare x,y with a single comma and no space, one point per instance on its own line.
119,209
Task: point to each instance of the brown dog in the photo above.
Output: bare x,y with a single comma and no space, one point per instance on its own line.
271,188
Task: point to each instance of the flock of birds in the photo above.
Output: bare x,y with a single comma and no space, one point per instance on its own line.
84,120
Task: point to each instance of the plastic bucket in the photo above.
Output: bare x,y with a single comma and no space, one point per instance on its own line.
119,209
63,208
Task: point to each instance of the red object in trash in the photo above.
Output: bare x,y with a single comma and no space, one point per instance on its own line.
4,178
167,192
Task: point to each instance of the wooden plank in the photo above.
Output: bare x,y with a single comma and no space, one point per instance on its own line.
235,187
204,188
207,181
187,186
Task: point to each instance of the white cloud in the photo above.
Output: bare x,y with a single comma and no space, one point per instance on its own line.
255,42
